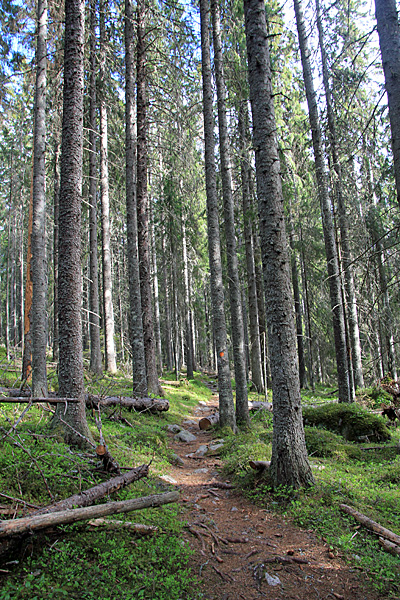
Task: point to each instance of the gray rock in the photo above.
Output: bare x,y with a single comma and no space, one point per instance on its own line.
202,403
215,447
177,460
189,423
185,436
201,451
200,471
272,579
174,428
234,509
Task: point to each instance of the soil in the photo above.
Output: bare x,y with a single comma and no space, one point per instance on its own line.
244,552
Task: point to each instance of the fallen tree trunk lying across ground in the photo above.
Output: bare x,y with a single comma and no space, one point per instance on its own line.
371,525
34,523
87,497
114,524
389,547
137,404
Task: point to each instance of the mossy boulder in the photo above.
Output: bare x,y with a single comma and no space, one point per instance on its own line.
351,421
325,444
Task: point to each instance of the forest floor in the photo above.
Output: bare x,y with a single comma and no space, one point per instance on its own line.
245,552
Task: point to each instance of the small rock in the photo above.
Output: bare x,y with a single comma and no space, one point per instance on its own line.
201,450
177,460
185,436
214,447
272,580
174,428
200,470
189,423
234,509
168,479
202,403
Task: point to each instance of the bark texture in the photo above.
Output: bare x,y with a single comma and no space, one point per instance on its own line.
111,364
345,393
226,407
135,303
389,42
235,299
153,385
70,375
289,462
39,259
94,305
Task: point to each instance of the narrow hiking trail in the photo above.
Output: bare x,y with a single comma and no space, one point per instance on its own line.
240,550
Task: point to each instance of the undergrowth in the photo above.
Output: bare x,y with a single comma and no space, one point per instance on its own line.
78,561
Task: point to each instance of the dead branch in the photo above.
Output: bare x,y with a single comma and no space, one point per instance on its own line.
371,525
35,523
114,524
88,497
389,547
137,404
259,465
199,537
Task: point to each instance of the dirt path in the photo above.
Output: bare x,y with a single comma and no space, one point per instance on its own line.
246,566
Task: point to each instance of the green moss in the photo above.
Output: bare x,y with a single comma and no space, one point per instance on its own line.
323,443
351,421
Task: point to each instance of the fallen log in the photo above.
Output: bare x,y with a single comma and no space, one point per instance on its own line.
207,422
171,383
88,497
389,547
114,524
37,522
27,399
137,404
371,525
255,406
259,465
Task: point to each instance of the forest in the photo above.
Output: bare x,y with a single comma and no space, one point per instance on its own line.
200,221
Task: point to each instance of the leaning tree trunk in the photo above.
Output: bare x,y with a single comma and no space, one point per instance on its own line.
289,462
226,406
345,392
235,300
39,260
153,384
389,42
135,303
111,364
70,373
94,305
354,332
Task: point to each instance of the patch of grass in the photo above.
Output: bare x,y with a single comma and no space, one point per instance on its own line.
323,443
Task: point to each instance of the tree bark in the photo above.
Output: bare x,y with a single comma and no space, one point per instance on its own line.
153,405
255,346
226,406
153,385
109,327
235,300
28,524
27,355
70,375
96,365
389,42
39,259
345,394
135,303
289,462
354,331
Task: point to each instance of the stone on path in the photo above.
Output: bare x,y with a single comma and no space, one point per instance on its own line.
185,436
173,428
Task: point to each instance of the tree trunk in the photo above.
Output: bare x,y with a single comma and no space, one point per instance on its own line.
389,42
39,260
94,306
27,356
153,385
255,346
354,332
345,394
56,198
111,365
70,375
289,462
226,406
135,303
235,300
